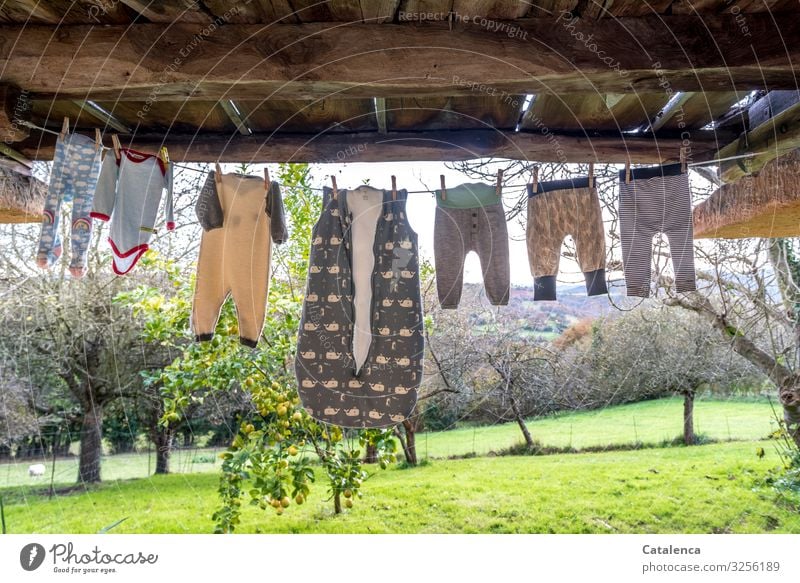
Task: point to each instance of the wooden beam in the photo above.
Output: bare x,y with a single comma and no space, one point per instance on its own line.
14,107
773,138
233,113
380,114
304,61
409,146
108,119
673,107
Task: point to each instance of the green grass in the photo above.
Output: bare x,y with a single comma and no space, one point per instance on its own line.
649,422
114,467
701,489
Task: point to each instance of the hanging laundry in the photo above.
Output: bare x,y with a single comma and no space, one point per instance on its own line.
557,209
240,219
656,200
360,344
470,217
128,194
76,164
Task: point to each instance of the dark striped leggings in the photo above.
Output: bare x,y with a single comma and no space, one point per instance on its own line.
656,200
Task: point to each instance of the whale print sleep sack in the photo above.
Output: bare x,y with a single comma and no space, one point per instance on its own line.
360,344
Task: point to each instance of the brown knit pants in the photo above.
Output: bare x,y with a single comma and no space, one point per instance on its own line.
235,261
556,210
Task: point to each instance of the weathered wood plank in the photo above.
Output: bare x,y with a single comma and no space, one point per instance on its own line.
777,136
702,108
404,146
767,205
361,60
309,117
590,112
450,113
14,107
168,11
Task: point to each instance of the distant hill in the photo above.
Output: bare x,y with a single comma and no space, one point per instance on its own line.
547,320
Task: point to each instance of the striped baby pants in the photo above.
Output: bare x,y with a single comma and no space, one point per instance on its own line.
657,200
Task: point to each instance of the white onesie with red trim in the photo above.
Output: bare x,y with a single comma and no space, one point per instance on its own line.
128,194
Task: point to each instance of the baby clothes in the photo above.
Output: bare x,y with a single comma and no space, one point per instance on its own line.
470,217
128,194
656,200
76,164
240,220
360,345
557,209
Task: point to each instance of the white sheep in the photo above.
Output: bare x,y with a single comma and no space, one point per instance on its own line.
36,470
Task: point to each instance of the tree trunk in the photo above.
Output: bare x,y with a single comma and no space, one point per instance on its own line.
521,422
789,394
337,503
91,445
163,443
410,443
688,418
371,456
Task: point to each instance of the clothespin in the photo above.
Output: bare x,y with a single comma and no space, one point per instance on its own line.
591,174
628,172
535,179
117,147
444,189
98,139
217,173
164,155
335,190
65,127
499,187
266,178
683,159
394,188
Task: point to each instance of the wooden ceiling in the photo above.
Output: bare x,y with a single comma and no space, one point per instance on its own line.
308,80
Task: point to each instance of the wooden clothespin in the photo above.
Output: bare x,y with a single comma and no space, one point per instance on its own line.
266,178
217,173
535,179
394,188
498,189
591,174
98,139
163,154
444,188
117,147
65,127
628,172
683,159
335,189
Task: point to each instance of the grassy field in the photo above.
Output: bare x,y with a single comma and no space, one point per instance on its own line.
703,489
649,422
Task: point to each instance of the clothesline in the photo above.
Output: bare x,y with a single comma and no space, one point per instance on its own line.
317,189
